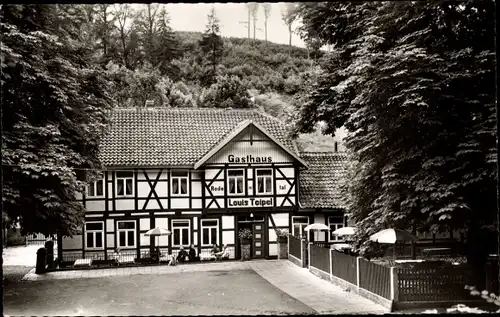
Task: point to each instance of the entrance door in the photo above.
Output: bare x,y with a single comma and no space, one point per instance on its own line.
258,240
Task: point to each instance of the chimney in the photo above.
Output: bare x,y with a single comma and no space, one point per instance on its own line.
149,103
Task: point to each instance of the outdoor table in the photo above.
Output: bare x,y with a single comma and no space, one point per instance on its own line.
436,251
409,261
83,262
341,246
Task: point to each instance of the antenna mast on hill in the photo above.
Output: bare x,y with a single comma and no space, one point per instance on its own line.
247,23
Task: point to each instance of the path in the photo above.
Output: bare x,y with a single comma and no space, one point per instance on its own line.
322,296
318,294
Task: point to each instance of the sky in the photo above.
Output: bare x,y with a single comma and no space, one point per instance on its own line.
193,17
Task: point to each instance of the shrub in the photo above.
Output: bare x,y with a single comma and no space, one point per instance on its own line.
245,234
226,92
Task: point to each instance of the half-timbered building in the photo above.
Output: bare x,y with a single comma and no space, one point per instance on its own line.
204,174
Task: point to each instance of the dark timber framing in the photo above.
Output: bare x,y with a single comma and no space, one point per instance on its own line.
208,205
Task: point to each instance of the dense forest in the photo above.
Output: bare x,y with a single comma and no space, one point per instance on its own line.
65,66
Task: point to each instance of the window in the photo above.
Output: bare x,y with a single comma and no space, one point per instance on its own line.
180,233
126,233
124,181
264,181
209,232
179,183
235,179
94,235
299,223
96,189
335,222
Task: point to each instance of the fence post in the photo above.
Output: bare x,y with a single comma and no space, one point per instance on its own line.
331,263
309,256
301,253
394,285
288,242
358,260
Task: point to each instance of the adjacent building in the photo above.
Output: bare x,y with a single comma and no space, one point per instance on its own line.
204,174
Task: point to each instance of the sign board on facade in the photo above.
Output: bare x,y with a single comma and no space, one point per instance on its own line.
249,202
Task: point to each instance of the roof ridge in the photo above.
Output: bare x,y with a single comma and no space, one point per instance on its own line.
323,152
184,109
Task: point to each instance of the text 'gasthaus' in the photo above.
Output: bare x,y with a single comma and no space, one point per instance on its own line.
249,159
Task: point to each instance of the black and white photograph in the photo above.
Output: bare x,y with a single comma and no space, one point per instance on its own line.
249,158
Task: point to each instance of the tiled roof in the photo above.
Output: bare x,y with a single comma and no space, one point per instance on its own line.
319,184
175,137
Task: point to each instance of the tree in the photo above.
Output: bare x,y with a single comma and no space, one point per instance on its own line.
412,82
168,47
288,15
211,45
158,43
267,14
55,107
124,17
104,26
253,7
227,92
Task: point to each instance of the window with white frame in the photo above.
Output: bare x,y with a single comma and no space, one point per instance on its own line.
209,232
124,183
298,225
94,235
264,181
126,233
235,179
179,183
335,222
95,189
181,233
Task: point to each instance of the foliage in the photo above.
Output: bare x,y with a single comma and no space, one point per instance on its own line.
413,83
282,233
211,45
288,15
245,234
54,110
227,92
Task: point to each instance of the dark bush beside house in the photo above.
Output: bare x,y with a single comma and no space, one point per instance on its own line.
14,237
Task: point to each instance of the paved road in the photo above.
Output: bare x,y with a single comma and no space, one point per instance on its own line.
20,255
210,293
319,295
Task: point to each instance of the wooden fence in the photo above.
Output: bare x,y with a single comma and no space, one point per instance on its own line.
444,283
375,278
295,246
320,258
344,266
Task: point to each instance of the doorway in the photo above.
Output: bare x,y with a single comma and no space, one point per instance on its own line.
256,225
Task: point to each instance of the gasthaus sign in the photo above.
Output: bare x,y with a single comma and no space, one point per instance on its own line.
250,202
